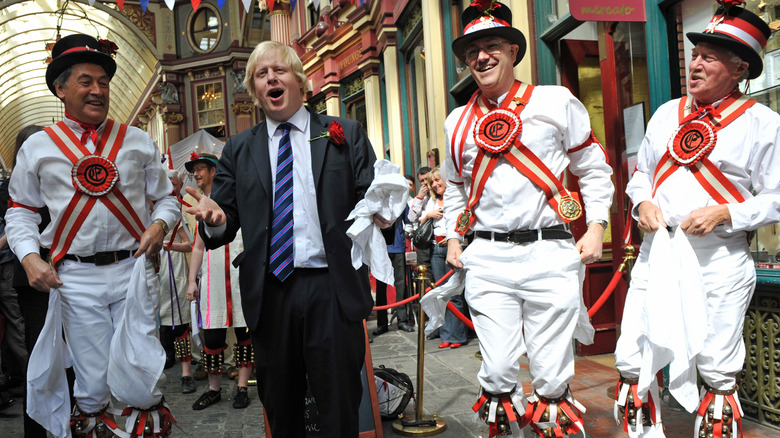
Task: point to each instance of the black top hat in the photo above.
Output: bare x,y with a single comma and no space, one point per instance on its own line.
205,157
740,31
488,18
76,49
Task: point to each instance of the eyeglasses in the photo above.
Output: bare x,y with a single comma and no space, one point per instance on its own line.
490,49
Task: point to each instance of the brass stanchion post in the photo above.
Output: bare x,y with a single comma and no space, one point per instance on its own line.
423,425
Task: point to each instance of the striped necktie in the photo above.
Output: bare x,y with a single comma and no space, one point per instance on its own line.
281,263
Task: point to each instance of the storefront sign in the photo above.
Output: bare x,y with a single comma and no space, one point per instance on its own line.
608,10
349,59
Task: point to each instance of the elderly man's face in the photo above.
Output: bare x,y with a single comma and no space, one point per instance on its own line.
86,94
713,74
204,176
177,185
277,89
491,60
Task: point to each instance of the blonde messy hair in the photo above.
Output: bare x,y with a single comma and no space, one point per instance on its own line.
285,53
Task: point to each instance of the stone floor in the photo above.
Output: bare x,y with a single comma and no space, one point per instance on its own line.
449,391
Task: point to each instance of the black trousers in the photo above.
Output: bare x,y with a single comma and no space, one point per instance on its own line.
302,336
398,260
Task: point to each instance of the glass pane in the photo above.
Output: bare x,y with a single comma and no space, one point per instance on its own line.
205,29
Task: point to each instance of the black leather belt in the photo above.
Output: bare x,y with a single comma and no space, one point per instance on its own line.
519,237
101,258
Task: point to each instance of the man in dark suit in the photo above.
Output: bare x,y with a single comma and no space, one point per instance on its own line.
302,299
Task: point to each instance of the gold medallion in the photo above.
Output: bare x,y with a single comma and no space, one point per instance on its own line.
569,209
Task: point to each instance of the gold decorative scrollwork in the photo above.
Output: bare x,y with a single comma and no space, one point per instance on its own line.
242,108
172,118
142,20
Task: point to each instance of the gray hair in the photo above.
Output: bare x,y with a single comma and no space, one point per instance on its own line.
172,173
736,59
287,55
62,79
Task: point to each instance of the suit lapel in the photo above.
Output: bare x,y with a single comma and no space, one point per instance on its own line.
318,147
259,152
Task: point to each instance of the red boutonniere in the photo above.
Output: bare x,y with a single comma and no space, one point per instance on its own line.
335,133
108,47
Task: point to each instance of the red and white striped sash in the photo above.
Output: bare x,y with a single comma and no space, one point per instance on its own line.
682,151
94,177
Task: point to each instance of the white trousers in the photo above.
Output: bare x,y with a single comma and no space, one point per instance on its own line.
93,302
729,279
526,298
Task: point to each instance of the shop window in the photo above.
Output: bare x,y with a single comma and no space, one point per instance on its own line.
313,12
355,101
211,108
204,28
317,104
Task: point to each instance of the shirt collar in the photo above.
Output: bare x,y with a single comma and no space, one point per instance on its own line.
299,121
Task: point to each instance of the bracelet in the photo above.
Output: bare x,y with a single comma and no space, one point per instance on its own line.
162,224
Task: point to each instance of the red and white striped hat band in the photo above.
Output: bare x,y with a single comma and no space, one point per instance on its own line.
739,29
483,23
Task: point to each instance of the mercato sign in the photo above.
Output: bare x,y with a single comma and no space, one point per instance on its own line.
608,10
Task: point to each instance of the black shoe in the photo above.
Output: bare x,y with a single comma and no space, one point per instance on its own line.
187,385
405,327
207,399
6,403
241,399
434,334
382,329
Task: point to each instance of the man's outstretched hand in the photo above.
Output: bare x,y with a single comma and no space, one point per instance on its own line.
206,209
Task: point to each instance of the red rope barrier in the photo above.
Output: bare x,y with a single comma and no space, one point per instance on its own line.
398,303
606,294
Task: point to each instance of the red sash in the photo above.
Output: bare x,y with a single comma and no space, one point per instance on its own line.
94,177
497,134
693,141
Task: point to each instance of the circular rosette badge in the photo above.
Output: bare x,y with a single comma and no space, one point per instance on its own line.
692,142
94,175
497,130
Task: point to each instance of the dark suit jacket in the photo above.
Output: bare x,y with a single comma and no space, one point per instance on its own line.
242,187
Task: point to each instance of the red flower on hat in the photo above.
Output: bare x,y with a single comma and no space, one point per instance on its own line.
109,47
335,133
482,5
194,156
729,3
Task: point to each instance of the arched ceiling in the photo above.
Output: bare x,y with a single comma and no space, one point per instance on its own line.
26,26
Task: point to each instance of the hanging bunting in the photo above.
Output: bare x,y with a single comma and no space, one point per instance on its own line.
292,4
121,4
220,3
91,2
195,4
144,4
170,3
245,2
271,5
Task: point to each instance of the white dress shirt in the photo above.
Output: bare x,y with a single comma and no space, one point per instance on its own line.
308,247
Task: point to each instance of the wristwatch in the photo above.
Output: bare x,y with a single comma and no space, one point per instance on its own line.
162,224
602,223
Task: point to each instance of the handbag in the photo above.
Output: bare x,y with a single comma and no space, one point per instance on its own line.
422,237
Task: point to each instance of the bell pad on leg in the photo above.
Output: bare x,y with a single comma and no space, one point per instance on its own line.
719,414
503,412
554,417
156,421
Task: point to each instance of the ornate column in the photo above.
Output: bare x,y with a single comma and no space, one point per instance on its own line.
172,129
395,124
373,96
281,29
243,112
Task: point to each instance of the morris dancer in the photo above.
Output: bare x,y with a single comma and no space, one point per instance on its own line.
219,301
97,178
708,172
174,308
505,151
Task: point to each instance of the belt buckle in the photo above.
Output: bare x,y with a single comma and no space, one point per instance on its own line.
106,258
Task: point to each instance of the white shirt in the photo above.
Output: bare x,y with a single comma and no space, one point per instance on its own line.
747,153
308,247
42,177
553,123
